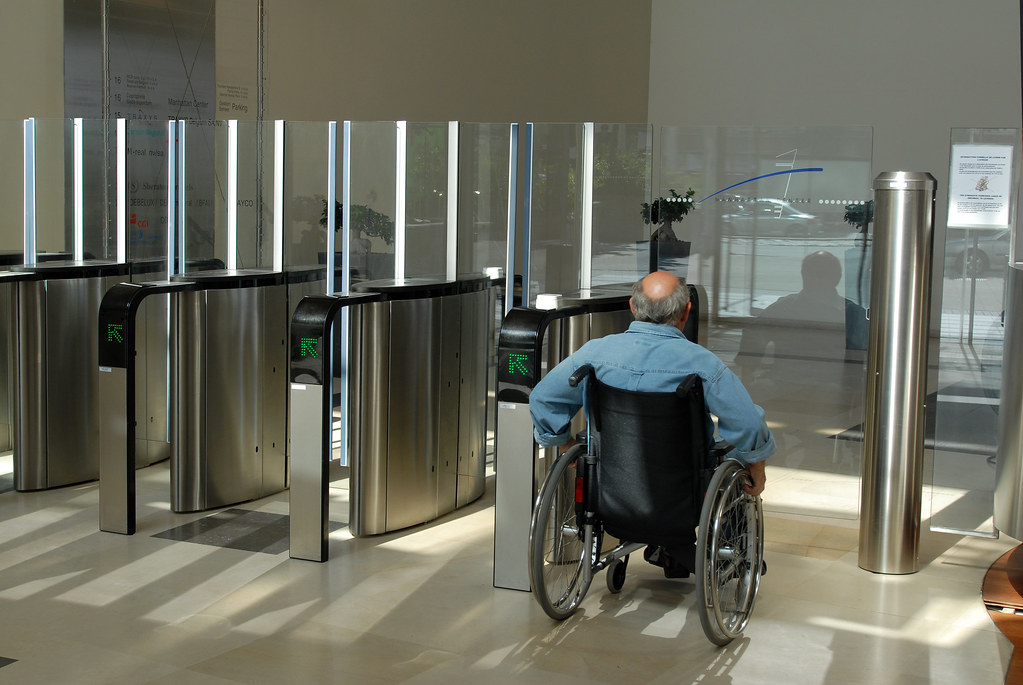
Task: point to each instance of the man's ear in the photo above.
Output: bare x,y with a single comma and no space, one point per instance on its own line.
632,307
685,315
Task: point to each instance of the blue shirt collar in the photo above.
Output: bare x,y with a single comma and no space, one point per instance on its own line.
655,329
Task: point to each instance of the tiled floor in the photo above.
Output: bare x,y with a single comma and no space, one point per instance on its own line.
213,598
81,606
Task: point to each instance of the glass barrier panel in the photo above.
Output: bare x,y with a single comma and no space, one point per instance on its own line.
255,194
53,207
483,174
204,239
74,189
12,189
99,189
962,412
622,171
374,199
777,246
147,182
555,247
426,200
305,193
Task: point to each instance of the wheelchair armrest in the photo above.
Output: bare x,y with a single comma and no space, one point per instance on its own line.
719,449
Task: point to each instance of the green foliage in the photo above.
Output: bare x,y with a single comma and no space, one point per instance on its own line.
669,209
370,222
860,215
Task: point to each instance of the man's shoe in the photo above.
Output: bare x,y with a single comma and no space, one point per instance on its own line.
654,554
674,569
658,556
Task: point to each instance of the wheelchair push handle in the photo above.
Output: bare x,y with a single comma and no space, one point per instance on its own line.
580,373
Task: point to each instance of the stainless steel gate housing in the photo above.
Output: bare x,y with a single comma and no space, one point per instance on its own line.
418,389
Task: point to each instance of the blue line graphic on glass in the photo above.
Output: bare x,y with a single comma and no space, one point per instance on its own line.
757,178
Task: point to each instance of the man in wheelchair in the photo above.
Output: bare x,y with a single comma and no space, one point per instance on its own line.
653,356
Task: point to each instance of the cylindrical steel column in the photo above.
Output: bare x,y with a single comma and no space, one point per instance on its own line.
1009,468
896,372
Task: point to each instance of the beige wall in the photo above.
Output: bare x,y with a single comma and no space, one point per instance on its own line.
468,60
911,69
32,55
31,85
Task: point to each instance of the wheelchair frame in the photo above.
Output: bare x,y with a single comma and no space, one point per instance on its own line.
566,538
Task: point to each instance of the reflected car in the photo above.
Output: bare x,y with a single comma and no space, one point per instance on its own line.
769,217
974,254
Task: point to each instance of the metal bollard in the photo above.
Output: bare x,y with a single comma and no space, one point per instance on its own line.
896,372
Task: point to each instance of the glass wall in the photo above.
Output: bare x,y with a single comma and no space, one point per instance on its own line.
962,413
484,156
588,184
777,249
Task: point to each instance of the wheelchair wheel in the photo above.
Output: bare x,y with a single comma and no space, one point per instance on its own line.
561,552
616,574
729,552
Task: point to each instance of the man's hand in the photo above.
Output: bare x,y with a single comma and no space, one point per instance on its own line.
758,475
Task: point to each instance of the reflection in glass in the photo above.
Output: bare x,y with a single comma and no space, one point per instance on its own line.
373,172
426,198
147,180
785,274
305,187
555,213
622,158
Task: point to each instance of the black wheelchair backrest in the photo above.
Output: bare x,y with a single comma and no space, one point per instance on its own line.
652,451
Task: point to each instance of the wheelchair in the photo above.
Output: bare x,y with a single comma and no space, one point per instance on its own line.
647,475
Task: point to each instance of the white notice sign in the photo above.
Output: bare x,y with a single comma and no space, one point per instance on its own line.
980,186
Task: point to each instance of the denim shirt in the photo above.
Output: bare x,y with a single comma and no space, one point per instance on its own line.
651,357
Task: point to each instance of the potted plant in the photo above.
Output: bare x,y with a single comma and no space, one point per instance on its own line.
666,250
365,222
665,210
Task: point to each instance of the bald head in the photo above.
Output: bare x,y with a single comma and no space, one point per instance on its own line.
660,297
659,285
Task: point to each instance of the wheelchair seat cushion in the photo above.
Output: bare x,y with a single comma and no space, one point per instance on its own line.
652,462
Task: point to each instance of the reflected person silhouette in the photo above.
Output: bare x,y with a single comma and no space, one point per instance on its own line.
804,340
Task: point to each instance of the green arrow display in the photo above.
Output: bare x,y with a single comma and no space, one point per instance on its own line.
308,347
115,332
516,364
